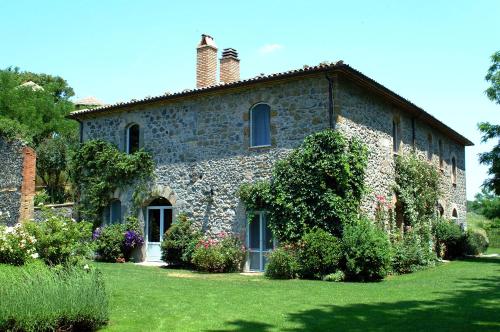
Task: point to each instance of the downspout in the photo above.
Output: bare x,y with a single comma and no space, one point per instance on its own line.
330,100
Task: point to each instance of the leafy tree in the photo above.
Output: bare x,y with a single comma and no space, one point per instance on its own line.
492,131
487,204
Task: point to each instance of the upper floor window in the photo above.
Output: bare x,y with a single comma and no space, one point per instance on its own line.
429,147
132,138
113,212
260,125
454,214
396,135
440,152
453,170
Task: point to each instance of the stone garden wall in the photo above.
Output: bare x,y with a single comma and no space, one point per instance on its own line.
201,144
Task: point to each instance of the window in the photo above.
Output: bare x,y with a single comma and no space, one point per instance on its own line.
396,139
113,212
132,138
440,210
429,147
260,125
453,171
440,148
454,214
259,241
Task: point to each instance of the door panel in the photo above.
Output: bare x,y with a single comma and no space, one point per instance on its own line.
154,216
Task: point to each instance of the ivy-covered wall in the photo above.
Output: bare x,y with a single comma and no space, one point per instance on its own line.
200,144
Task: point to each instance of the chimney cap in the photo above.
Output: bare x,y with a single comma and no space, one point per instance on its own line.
229,52
207,40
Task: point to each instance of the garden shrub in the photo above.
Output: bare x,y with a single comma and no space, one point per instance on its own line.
179,242
61,240
282,263
475,243
35,297
109,242
17,246
366,251
449,239
223,254
335,277
320,184
319,254
410,253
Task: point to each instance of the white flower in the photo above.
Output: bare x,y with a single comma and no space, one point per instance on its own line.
35,255
86,267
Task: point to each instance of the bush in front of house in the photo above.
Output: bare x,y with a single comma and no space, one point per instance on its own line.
410,253
475,243
225,253
282,263
17,246
179,242
319,254
61,240
449,239
35,297
366,251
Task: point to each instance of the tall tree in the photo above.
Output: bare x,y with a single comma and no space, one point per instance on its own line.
492,131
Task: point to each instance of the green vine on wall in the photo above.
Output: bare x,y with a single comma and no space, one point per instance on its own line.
320,184
98,168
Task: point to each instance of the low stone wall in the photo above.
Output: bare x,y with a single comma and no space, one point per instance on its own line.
65,210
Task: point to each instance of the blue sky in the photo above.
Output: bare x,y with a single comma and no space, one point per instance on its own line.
434,53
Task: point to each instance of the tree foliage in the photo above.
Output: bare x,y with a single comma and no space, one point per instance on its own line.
34,113
98,168
493,77
320,184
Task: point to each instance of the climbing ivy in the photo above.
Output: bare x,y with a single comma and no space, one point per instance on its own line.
98,168
320,184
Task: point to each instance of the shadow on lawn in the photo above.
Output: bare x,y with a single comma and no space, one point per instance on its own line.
474,306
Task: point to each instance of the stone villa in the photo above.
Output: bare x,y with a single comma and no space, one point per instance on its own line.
207,141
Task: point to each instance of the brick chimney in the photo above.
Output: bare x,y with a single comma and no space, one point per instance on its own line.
206,62
229,66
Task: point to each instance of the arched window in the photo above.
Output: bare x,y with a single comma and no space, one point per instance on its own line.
113,212
429,147
453,171
132,138
440,210
396,136
454,214
260,125
440,151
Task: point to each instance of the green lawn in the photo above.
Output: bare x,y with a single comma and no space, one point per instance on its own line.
456,296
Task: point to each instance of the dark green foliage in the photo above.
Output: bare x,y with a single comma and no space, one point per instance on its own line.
448,239
366,251
487,204
109,243
411,254
319,254
475,243
493,77
491,158
179,242
417,189
320,184
98,168
37,298
282,263
224,254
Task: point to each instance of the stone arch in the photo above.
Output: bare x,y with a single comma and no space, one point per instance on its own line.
158,191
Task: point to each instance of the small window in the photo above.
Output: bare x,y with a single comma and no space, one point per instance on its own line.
260,125
132,138
454,214
113,213
440,152
453,171
429,147
440,210
396,139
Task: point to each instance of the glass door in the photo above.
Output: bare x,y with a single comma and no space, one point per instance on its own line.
259,242
159,219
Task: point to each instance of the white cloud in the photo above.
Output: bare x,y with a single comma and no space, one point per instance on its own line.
270,48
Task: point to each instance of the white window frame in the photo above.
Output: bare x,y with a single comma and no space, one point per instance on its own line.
162,221
261,251
251,127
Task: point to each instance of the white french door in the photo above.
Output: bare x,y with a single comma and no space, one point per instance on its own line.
159,219
259,242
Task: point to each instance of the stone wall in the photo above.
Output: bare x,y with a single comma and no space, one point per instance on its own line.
65,210
201,144
17,181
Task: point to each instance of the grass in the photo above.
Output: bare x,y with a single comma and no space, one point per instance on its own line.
35,298
457,296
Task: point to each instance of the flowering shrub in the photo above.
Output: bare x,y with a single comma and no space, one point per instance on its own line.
61,240
4,215
410,253
282,263
17,246
225,253
179,242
